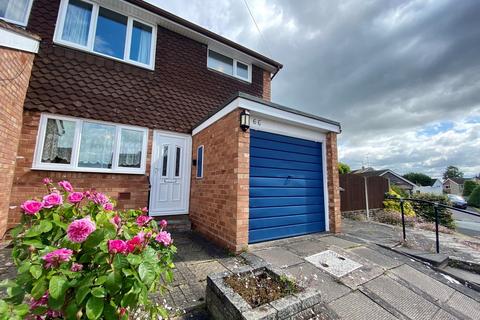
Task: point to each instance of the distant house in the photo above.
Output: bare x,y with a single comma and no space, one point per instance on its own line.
393,177
435,188
454,186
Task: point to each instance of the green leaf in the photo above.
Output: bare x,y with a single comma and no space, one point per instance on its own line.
35,243
114,281
94,239
81,294
39,288
56,304
24,267
99,292
100,280
71,310
58,286
134,259
110,313
94,308
129,299
36,271
40,310
16,231
21,309
45,226
120,262
3,307
147,273
33,231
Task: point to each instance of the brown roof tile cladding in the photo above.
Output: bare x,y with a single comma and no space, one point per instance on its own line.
175,96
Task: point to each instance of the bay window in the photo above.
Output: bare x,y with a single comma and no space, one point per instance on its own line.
72,144
15,11
88,26
222,63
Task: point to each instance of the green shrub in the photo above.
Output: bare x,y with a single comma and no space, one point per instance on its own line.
468,187
427,212
474,199
393,218
78,258
401,192
394,205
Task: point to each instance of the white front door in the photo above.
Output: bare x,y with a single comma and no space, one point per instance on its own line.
170,174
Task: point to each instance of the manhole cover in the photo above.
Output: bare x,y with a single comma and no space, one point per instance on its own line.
333,263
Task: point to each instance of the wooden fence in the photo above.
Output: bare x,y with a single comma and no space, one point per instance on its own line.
353,195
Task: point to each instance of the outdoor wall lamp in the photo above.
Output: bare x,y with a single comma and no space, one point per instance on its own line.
245,120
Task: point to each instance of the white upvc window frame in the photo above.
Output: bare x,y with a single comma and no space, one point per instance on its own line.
203,161
235,61
23,23
73,165
57,37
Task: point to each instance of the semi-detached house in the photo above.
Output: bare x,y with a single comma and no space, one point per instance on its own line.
157,111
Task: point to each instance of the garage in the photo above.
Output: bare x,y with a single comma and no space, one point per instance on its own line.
286,195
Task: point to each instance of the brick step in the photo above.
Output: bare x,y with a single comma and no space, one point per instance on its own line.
176,222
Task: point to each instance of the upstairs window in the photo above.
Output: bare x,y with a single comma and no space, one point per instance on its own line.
227,65
15,11
87,26
72,144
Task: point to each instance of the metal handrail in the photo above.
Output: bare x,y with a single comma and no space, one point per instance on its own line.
437,218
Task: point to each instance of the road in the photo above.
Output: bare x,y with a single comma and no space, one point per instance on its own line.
467,224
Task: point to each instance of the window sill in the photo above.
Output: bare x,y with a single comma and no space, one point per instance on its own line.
79,48
87,170
230,76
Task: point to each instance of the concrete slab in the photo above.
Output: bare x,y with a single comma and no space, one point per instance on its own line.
308,276
376,257
307,247
436,259
334,263
399,299
443,315
339,242
278,257
422,282
464,305
357,306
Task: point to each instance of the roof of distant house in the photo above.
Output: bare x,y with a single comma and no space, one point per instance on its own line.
457,180
370,172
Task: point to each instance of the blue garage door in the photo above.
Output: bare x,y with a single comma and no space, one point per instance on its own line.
286,187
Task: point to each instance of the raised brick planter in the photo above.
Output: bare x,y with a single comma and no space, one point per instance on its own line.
224,303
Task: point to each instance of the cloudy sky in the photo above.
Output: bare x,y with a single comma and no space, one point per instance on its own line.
403,77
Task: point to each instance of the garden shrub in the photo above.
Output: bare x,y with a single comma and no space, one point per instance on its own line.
78,258
394,205
393,218
468,187
474,199
427,212
401,192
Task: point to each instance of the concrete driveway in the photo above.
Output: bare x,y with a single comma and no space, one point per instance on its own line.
467,224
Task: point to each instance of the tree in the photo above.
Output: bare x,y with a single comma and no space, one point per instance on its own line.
343,168
419,178
452,172
474,199
468,187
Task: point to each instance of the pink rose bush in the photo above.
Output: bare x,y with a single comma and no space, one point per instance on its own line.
77,256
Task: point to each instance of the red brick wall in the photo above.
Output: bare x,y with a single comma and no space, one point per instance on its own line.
333,183
219,201
267,86
178,94
28,183
15,68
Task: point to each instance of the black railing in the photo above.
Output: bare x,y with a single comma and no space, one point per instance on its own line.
435,205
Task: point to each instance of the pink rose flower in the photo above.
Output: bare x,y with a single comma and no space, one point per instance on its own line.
108,206
164,238
163,224
135,243
54,258
76,267
66,185
31,206
116,220
52,199
99,198
143,220
117,246
75,197
79,230
144,209
47,181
